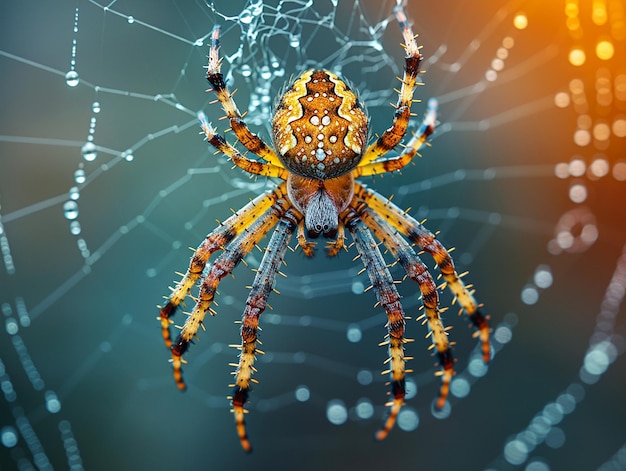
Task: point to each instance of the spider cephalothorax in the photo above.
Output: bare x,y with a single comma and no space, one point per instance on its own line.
320,148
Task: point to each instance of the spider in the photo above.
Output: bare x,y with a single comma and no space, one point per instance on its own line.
320,147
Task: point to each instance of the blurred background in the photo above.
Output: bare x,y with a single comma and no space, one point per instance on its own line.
105,183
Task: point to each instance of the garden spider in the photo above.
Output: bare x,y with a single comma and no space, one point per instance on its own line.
320,133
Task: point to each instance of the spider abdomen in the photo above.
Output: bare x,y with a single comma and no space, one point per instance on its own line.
320,128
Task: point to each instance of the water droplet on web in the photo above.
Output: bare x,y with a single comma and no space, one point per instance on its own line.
266,74
95,107
131,19
71,78
75,228
74,193
70,210
79,176
245,70
294,40
245,17
128,155
89,151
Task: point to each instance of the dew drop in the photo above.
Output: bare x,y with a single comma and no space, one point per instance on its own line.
71,78
294,41
95,107
89,151
75,228
245,70
70,210
79,176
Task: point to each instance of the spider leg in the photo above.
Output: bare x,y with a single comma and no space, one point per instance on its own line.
412,148
241,161
426,241
389,299
392,136
214,241
417,272
262,286
233,253
251,141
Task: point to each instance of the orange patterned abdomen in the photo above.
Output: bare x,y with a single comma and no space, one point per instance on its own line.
320,128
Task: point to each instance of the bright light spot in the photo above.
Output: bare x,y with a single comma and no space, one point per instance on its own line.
520,21
577,57
561,170
502,53
619,171
599,168
601,131
8,437
364,377
578,193
543,277
577,168
491,75
364,409
354,334
302,393
460,387
619,127
589,234
508,42
52,402
561,99
477,367
530,295
503,334
357,287
605,50
576,86
497,64
596,361
408,420
567,402
582,137
537,466
336,412
565,239
571,9
516,452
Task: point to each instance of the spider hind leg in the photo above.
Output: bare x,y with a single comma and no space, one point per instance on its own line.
389,299
256,303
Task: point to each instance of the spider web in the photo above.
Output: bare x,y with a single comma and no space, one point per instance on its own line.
105,182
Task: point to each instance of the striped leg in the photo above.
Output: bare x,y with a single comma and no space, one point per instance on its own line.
216,240
426,241
223,265
389,299
251,141
412,148
418,272
392,136
255,305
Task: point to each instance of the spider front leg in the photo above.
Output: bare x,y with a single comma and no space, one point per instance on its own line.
251,141
392,136
219,238
255,305
233,253
389,299
427,242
